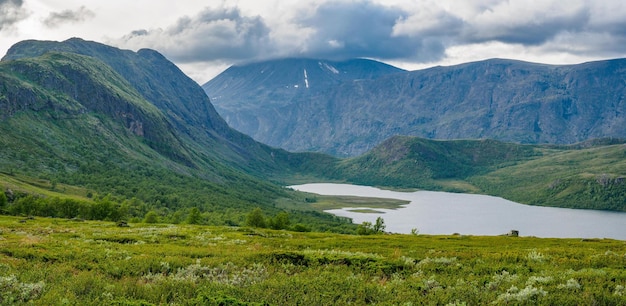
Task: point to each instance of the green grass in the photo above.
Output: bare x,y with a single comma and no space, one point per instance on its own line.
42,187
56,261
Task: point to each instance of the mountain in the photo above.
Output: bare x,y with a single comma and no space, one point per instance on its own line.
128,127
182,102
587,175
498,99
92,131
407,161
259,99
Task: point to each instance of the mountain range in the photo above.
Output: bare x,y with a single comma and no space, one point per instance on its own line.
87,121
129,125
499,99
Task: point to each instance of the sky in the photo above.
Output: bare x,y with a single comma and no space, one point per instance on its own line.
205,37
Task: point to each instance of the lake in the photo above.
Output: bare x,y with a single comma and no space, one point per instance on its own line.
433,212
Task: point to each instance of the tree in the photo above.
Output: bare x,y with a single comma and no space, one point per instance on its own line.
194,217
379,226
3,200
367,228
280,221
256,218
151,217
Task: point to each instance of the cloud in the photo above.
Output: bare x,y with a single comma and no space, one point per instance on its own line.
579,27
330,30
426,31
213,34
11,12
430,21
525,22
56,19
365,29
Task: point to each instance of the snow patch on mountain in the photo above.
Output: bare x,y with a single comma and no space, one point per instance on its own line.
329,67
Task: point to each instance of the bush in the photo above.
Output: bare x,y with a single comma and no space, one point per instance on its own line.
280,221
367,228
256,218
3,200
13,291
151,217
194,217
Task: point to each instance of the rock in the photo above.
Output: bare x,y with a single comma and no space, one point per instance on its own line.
513,233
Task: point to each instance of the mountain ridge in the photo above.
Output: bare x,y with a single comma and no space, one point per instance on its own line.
137,136
500,99
73,119
181,100
281,84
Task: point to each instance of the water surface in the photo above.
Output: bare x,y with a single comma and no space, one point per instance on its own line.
432,212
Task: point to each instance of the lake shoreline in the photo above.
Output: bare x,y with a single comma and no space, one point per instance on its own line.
445,213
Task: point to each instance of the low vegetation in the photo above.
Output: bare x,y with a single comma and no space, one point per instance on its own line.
121,186
591,178
51,261
590,175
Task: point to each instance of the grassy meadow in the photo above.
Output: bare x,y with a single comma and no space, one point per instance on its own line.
48,261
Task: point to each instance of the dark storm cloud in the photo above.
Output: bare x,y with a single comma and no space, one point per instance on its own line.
365,29
420,32
11,11
56,19
223,34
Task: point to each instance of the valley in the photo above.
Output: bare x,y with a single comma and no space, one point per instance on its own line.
122,184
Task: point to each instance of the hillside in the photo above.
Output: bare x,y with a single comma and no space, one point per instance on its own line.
585,175
405,161
498,99
127,139
182,102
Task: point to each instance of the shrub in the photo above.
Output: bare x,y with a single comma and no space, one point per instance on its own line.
256,218
3,200
516,295
194,216
280,221
367,228
151,217
13,291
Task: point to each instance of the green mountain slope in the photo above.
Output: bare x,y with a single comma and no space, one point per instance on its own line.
64,85
591,177
181,100
586,175
71,120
